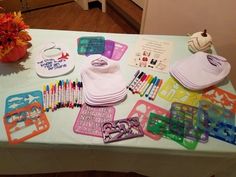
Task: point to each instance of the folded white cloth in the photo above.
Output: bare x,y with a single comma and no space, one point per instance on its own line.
200,70
103,82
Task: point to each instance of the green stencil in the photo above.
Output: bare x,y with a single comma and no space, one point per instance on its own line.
91,45
159,124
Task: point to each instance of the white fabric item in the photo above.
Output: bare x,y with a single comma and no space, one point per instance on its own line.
200,70
53,60
103,82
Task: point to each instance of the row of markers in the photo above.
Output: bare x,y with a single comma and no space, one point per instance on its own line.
62,94
145,85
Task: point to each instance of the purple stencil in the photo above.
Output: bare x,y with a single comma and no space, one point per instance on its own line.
121,130
90,119
109,47
118,51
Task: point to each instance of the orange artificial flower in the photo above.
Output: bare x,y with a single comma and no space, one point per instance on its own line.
12,32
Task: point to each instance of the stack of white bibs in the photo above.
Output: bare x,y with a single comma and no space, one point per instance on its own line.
103,83
200,70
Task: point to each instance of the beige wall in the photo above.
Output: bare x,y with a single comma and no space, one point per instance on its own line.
189,16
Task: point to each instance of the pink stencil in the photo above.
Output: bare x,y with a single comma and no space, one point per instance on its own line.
90,120
142,109
118,51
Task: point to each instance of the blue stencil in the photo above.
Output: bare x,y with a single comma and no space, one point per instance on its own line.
14,102
217,121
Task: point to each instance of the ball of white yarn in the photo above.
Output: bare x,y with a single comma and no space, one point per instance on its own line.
200,41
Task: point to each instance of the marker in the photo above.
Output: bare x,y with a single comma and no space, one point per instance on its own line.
47,98
73,94
77,93
141,81
67,92
62,93
59,94
44,98
52,97
55,96
135,75
153,89
156,90
136,81
146,85
142,84
70,93
151,86
81,93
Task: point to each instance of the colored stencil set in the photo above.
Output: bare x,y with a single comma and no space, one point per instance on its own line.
217,121
145,85
172,91
90,119
142,110
98,45
64,93
121,129
24,116
194,115
188,125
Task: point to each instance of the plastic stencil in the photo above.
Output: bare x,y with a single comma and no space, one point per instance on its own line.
109,47
121,130
217,121
53,60
172,91
222,98
25,122
186,115
91,45
118,51
159,124
90,119
14,102
142,110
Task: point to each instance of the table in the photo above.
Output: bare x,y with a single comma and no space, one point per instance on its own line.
59,149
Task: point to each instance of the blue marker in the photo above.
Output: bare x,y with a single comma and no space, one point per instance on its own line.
153,88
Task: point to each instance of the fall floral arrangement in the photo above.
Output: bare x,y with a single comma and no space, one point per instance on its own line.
13,37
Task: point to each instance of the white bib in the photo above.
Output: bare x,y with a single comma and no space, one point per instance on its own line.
53,60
